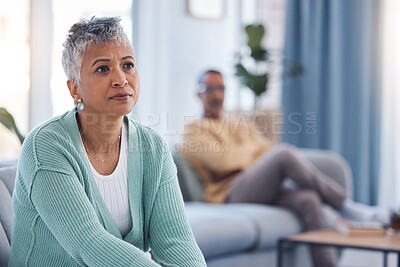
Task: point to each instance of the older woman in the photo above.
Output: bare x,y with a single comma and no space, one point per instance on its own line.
93,187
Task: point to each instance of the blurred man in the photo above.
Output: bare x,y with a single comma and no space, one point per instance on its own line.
237,164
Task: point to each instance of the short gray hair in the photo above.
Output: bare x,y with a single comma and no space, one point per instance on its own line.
82,34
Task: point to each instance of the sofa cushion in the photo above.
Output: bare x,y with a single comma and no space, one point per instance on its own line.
5,223
7,177
270,222
4,247
230,228
5,210
219,230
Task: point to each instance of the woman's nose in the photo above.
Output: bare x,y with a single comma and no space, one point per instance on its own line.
119,79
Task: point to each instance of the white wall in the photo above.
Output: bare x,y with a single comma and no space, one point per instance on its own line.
172,48
40,104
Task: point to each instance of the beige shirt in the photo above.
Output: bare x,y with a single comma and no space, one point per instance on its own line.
219,149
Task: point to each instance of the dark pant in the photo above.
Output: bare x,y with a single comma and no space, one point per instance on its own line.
262,183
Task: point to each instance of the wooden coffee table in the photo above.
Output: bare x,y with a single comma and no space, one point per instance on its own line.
383,243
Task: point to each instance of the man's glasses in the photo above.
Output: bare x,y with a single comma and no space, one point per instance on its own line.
202,88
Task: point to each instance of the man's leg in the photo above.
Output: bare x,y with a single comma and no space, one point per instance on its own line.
307,206
262,182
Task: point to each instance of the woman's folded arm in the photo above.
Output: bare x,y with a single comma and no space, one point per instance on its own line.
66,210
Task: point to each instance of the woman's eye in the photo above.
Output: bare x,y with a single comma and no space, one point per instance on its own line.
102,69
129,65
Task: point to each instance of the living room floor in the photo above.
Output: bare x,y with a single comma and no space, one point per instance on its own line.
363,258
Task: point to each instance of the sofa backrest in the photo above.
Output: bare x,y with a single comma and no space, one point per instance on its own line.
330,163
333,165
190,183
7,178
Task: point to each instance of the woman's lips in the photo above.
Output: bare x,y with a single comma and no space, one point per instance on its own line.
121,97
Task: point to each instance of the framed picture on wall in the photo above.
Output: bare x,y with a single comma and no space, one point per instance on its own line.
206,9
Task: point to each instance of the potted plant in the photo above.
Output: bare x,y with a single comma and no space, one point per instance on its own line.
255,74
395,220
253,67
8,121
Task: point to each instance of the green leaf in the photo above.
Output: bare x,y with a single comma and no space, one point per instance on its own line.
240,70
255,34
8,121
253,77
257,83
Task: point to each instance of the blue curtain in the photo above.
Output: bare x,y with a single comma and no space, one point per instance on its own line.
335,103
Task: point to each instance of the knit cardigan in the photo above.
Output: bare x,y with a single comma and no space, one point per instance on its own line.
60,218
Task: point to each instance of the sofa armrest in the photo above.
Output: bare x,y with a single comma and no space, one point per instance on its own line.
333,165
8,163
7,176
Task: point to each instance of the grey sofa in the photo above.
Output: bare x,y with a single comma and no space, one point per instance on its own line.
7,177
247,234
228,234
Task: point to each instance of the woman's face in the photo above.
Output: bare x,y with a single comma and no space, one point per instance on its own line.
109,80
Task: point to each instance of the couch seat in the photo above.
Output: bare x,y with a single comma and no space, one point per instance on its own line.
230,228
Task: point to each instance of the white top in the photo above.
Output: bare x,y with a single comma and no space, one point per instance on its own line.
114,188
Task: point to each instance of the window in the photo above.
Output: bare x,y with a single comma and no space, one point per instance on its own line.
272,14
14,70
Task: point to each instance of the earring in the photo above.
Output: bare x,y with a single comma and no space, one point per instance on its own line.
79,104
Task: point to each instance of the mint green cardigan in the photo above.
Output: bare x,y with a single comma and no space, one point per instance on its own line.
60,218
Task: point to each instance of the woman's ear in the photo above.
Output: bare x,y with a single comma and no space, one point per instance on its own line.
73,89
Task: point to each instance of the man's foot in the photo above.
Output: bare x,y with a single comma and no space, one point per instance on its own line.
363,213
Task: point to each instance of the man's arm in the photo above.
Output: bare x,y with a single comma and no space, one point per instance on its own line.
219,154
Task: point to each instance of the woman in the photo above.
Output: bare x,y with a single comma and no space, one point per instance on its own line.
93,187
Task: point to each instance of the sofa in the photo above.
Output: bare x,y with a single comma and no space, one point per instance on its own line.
7,177
228,234
244,234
